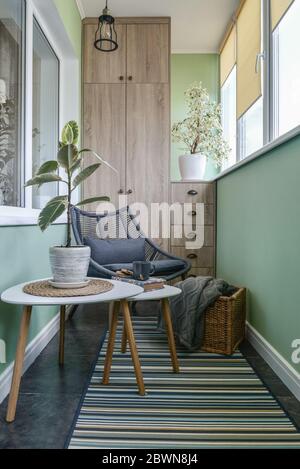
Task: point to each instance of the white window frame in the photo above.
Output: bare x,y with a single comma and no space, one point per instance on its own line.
225,84
274,85
269,103
52,26
262,63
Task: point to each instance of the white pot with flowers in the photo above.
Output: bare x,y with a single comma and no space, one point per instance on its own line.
201,133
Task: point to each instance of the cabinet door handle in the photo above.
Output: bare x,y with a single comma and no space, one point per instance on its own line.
121,78
130,191
191,236
121,191
130,78
193,213
192,256
192,192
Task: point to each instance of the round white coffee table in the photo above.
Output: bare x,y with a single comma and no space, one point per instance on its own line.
15,295
162,295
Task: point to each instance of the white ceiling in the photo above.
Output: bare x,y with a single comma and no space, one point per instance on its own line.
197,25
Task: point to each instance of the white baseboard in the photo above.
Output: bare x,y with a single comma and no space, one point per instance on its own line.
33,349
287,374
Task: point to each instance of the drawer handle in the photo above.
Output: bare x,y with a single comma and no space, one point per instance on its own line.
121,78
130,78
192,256
192,192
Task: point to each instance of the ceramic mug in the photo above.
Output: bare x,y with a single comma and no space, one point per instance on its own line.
142,270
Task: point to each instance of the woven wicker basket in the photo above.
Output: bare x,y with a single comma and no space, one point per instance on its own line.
225,324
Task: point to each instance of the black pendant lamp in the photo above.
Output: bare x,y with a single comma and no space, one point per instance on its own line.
106,39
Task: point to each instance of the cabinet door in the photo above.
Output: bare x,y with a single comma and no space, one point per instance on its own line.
104,67
148,142
148,53
104,132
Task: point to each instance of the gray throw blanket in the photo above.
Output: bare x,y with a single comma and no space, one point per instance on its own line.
188,309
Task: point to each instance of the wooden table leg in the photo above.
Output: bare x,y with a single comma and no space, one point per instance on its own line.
110,313
62,335
169,327
133,349
111,342
124,340
18,367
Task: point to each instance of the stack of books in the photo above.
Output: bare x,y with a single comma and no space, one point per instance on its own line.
147,285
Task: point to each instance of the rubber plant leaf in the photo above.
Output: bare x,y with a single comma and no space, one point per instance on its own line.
87,172
52,211
43,179
92,200
48,167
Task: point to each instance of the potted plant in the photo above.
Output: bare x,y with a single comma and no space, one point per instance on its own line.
69,263
201,133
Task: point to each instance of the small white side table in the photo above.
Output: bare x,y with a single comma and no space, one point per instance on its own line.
163,295
15,295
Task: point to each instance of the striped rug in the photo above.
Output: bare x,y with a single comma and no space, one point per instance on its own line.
215,402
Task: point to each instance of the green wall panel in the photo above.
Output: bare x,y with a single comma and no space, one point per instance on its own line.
70,15
185,70
24,249
24,254
258,239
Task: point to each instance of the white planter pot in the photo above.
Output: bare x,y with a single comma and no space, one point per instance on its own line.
70,265
192,167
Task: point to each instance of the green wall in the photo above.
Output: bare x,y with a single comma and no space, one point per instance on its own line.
258,241
70,15
185,70
24,249
24,254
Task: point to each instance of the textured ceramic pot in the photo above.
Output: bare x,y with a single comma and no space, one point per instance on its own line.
70,265
192,167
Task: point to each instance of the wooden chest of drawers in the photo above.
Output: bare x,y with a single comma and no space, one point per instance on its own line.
201,197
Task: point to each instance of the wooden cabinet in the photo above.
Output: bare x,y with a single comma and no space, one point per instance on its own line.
143,55
104,67
104,119
148,53
201,197
148,135
126,110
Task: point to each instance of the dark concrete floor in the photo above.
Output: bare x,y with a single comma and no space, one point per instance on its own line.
50,395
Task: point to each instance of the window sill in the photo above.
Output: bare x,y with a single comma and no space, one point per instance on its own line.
17,216
261,152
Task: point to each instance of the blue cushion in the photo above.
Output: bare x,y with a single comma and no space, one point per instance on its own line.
113,251
163,267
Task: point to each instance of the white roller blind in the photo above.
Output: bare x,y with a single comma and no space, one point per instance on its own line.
248,47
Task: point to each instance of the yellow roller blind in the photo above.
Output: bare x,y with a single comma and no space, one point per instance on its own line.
278,9
228,56
248,46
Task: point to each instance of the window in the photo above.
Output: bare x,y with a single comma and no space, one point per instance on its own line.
251,130
228,100
286,71
37,97
45,104
267,58
11,102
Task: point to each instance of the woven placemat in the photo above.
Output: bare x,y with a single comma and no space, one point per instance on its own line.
43,288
